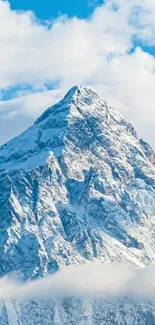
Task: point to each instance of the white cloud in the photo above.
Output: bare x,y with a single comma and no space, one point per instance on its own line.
29,104
105,280
19,113
96,52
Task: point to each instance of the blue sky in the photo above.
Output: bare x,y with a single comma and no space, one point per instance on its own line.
51,9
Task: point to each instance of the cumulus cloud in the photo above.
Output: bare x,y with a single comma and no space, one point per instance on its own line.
93,280
19,113
29,104
99,51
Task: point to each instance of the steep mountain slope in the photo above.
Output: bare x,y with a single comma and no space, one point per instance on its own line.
78,185
76,311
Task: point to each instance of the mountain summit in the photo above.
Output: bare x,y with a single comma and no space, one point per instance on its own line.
77,185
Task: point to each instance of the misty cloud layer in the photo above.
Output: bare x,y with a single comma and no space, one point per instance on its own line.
92,280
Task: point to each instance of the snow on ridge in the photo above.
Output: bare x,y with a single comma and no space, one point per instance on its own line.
48,132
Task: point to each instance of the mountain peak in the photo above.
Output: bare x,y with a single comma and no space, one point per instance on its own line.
82,119
78,90
77,94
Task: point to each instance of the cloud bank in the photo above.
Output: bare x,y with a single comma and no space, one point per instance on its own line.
106,51
107,281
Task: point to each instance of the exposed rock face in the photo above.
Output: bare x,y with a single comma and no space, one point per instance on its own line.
78,185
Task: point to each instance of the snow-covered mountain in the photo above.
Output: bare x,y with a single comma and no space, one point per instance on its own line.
77,185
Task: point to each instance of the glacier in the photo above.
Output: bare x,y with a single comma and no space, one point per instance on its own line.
77,186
